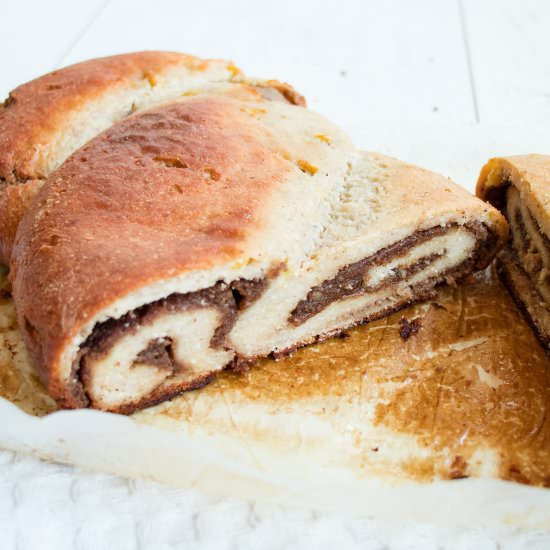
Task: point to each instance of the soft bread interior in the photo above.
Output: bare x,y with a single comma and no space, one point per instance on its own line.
183,352
257,334
525,264
530,244
390,265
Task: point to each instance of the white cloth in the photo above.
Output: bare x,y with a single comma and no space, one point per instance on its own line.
51,506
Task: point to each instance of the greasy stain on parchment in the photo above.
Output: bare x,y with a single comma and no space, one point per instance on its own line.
471,377
19,381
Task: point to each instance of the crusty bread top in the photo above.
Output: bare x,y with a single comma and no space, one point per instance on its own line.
529,173
47,119
38,110
182,187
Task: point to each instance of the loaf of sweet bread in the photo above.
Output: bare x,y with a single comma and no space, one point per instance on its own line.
223,224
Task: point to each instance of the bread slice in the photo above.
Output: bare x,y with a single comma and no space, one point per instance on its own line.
222,227
520,187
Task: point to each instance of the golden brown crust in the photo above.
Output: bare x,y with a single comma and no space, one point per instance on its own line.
101,218
33,112
33,115
14,201
290,94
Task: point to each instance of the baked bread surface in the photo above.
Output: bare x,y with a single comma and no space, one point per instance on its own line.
45,120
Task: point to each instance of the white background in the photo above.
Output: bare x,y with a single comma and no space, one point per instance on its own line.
445,84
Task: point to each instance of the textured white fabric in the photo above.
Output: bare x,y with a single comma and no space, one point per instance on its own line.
50,506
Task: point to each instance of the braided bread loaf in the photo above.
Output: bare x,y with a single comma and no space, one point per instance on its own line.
211,221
